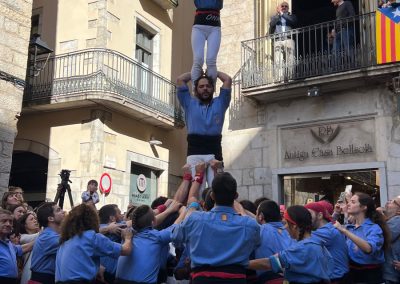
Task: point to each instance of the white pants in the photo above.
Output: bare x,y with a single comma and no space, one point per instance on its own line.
201,34
284,51
193,160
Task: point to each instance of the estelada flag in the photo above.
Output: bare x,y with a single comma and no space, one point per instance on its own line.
388,35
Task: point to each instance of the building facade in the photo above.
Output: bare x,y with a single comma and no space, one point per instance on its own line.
318,122
15,22
104,102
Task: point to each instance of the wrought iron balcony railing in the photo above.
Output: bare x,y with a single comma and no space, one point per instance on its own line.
309,52
103,71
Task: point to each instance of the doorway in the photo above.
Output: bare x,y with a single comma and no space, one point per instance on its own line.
320,171
29,171
311,12
301,189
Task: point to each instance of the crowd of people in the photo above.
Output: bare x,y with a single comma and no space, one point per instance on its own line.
200,238
201,235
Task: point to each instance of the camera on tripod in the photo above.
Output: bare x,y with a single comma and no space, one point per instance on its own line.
64,174
64,187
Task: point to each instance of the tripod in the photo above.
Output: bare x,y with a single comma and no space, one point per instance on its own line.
62,188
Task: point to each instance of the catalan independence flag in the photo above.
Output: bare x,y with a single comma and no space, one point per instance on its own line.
388,35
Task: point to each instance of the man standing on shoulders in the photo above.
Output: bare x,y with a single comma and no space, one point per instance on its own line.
43,264
219,241
391,267
334,241
283,42
204,116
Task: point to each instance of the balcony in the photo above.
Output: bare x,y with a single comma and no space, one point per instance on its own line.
167,4
286,65
100,76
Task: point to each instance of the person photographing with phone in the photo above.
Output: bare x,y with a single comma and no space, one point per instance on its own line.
366,239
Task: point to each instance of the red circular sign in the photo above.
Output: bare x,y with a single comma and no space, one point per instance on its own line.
105,183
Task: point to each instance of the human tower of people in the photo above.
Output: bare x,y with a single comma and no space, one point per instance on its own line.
201,235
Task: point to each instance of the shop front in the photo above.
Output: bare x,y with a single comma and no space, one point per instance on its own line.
321,160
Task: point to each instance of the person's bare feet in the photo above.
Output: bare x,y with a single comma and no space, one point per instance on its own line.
200,168
217,166
186,169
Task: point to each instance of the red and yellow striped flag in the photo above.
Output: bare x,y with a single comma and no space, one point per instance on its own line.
387,35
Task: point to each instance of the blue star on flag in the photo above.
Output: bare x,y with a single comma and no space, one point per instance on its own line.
392,13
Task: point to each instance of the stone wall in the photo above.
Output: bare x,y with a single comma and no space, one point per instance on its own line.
15,23
252,153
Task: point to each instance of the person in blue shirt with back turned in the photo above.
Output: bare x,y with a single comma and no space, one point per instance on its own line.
143,264
204,116
274,237
334,241
43,264
110,214
307,260
366,239
81,246
219,241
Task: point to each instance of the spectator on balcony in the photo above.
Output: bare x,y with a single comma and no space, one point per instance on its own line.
204,116
206,27
343,31
284,46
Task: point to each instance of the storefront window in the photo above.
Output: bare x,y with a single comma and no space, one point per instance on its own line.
304,188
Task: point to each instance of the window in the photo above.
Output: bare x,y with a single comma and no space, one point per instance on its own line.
144,46
36,24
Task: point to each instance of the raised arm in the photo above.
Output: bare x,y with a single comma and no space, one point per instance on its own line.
174,207
181,194
197,181
183,79
361,243
226,80
127,246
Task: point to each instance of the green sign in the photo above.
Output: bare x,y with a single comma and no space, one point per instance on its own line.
143,185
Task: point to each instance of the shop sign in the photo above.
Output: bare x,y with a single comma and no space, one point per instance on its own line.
141,183
330,143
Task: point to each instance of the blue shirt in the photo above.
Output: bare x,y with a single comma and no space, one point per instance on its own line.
389,273
143,264
8,258
335,242
372,233
209,4
44,252
204,119
110,263
305,261
79,257
219,237
274,238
